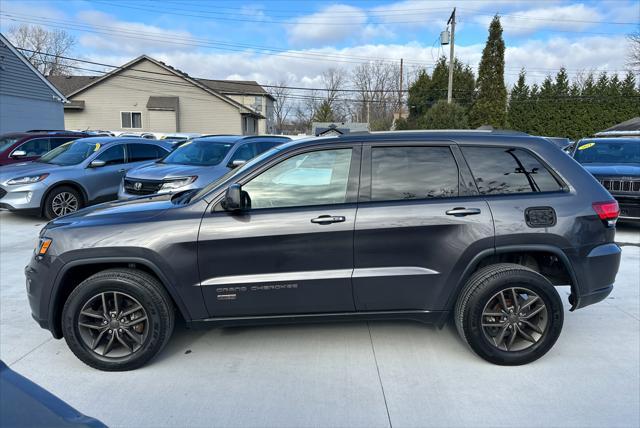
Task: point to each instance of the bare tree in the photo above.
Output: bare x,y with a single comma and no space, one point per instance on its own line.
377,84
333,81
44,48
634,51
282,105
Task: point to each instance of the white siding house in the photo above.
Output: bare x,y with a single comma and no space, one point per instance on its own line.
146,95
27,99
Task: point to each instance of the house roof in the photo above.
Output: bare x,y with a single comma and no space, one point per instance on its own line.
628,127
235,87
69,84
51,86
84,82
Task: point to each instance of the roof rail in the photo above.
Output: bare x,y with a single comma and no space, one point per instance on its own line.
53,130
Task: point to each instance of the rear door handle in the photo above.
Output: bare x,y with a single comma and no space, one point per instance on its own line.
328,219
461,212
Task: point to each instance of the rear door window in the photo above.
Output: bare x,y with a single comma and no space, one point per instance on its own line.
499,170
144,152
402,173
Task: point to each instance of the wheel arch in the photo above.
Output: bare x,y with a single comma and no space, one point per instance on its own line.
74,272
69,183
515,254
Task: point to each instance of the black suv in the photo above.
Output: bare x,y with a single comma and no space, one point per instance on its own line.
615,162
479,225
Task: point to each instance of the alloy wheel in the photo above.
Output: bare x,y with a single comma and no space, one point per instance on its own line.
64,203
514,319
113,324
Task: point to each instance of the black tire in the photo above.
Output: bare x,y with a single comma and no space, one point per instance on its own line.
75,201
476,298
142,288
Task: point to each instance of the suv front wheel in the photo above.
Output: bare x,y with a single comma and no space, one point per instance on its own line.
61,201
117,319
509,314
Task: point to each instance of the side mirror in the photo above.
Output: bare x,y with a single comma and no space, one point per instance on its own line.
236,163
18,154
97,163
234,199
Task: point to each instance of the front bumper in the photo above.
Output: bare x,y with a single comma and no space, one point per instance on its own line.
629,208
595,273
22,197
40,275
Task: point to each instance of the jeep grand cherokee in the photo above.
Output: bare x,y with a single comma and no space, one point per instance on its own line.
480,226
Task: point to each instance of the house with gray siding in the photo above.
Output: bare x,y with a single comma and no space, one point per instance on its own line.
27,99
147,95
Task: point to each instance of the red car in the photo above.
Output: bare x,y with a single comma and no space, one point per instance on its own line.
27,146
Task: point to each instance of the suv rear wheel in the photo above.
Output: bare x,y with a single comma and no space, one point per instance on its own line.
61,201
509,314
117,319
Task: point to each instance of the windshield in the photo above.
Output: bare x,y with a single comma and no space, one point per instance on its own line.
71,153
199,152
7,142
608,152
235,172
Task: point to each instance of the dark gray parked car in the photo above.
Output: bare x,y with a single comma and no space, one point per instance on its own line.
480,226
78,173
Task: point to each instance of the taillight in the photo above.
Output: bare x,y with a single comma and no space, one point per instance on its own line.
608,210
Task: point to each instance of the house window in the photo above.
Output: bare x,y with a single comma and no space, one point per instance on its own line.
249,125
257,104
131,119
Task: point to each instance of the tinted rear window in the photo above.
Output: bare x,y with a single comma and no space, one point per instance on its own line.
507,170
400,173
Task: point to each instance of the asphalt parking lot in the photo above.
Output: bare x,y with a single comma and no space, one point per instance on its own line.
378,374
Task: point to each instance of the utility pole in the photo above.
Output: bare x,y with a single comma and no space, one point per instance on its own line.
452,21
400,92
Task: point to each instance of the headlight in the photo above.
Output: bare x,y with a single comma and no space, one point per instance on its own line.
178,182
28,179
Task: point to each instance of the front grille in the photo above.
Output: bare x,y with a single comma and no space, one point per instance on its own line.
621,185
2,193
142,187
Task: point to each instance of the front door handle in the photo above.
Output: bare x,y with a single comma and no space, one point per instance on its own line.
328,219
461,211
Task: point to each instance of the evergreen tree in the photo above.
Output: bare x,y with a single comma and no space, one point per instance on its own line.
428,89
518,113
445,116
324,113
490,107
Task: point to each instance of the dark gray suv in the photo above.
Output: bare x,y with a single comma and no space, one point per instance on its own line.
478,226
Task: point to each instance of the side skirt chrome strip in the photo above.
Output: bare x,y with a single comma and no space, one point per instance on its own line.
319,274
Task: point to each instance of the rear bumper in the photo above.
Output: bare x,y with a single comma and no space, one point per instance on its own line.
595,273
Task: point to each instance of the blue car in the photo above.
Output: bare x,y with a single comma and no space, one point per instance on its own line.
76,174
195,164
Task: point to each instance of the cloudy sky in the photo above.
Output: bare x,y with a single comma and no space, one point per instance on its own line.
295,41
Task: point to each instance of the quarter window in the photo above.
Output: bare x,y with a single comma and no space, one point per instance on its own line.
314,178
131,119
507,170
401,173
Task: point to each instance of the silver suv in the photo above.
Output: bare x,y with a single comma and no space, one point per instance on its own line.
76,174
195,164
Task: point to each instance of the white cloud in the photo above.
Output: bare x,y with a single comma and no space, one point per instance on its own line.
129,37
333,24
539,58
